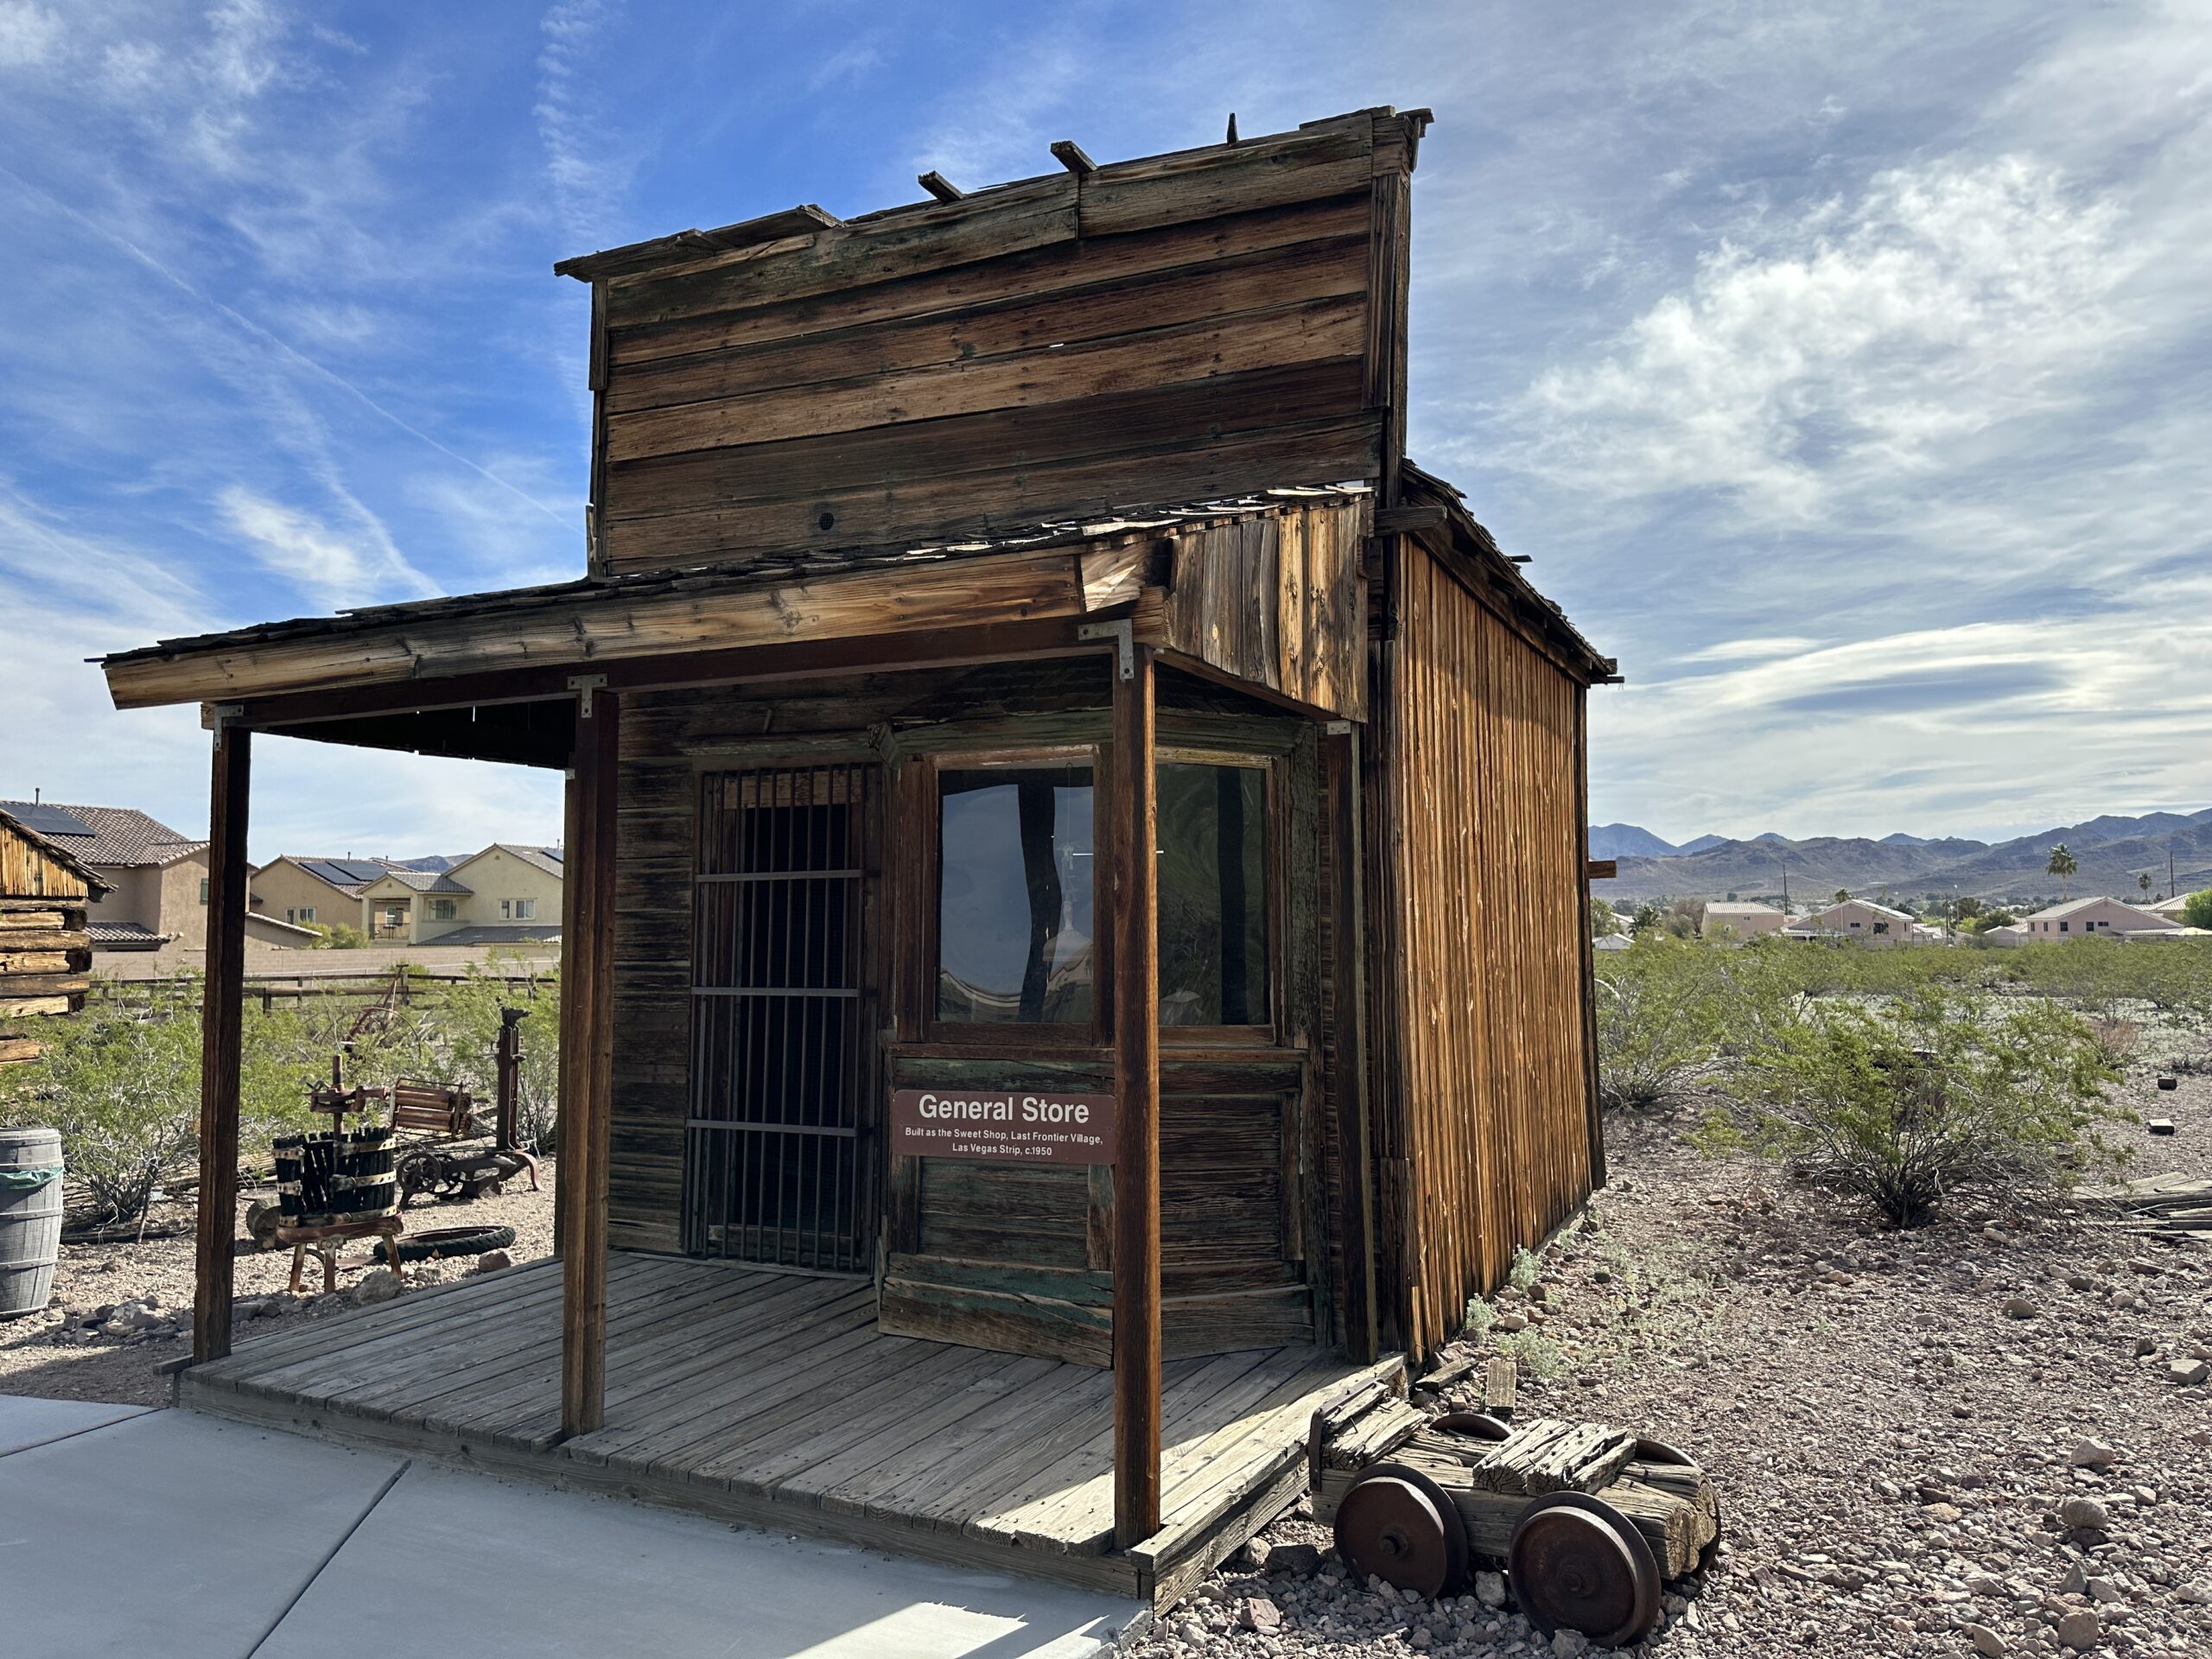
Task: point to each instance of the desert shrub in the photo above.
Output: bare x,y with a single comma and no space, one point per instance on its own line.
1659,1022
2196,909
338,936
1903,1105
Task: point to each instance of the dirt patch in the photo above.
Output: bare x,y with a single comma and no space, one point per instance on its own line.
1891,1447
71,1352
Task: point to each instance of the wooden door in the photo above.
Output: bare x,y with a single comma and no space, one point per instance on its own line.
780,1144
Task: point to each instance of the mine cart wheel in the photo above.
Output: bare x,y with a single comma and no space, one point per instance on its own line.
1478,1425
1398,1525
444,1242
423,1171
1577,1562
1650,1450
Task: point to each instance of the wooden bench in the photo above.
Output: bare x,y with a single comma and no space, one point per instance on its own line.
444,1110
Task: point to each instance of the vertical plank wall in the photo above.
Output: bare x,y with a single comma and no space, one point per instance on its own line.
1492,1075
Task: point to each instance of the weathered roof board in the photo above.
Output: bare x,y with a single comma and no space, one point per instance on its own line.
1207,323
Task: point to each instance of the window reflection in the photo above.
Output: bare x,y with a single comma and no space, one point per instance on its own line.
1015,896
1213,909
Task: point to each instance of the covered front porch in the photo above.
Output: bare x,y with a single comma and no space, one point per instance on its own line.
772,1399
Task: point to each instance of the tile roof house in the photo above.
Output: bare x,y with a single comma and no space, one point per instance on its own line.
157,877
314,891
1859,919
505,895
1742,921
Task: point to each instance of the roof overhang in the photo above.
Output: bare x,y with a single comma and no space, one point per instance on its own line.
1182,576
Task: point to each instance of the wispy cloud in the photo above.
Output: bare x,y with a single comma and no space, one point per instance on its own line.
332,570
30,34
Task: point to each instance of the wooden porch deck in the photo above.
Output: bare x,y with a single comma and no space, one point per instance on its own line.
771,1399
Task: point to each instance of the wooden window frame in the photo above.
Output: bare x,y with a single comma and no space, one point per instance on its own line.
927,871
1274,773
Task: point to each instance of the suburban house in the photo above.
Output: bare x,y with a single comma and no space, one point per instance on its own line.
503,895
2080,917
2169,908
155,878
315,892
1861,920
1742,921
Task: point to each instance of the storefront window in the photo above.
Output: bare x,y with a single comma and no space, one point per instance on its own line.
1014,912
1213,906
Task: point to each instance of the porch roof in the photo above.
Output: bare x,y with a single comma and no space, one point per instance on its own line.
522,643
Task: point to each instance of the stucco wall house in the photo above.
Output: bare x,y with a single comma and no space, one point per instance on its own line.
1732,920
315,892
156,878
504,895
1865,922
2083,918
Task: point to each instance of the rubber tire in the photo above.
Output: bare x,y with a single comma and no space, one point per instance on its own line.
444,1242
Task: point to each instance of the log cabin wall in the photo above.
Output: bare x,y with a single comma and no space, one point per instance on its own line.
45,951
1012,1258
1482,1126
1182,327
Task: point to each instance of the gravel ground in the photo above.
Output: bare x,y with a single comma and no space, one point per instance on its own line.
76,1351
1893,1449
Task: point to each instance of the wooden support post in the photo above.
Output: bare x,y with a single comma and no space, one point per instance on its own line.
1135,938
1593,1113
221,1014
1348,937
586,1059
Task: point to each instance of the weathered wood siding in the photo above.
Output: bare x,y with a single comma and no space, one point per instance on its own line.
1181,327
45,952
1483,1117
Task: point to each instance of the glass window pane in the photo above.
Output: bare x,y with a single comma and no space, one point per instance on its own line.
1015,895
1213,902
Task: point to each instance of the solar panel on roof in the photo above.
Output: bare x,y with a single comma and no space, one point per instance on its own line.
358,870
50,821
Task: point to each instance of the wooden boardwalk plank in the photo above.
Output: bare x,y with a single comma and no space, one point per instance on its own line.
764,1393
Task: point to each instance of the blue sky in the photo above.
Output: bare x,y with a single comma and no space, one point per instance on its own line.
1845,369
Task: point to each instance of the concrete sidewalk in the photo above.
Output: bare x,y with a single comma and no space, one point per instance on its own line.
140,1532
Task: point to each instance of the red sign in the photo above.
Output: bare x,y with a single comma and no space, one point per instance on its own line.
1002,1126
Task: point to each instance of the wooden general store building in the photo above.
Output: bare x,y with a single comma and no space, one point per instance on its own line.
1074,938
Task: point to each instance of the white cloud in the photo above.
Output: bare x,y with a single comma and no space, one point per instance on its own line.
29,35
587,175
331,569
1735,650
1856,337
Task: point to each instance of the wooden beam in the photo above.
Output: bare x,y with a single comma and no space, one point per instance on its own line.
222,1013
294,713
940,186
1069,154
600,626
1348,1102
1135,938
1594,1112
587,1059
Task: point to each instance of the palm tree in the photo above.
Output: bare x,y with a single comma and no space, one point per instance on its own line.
1842,895
2144,882
2063,865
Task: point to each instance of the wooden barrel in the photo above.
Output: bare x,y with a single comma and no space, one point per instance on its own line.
326,1180
31,1218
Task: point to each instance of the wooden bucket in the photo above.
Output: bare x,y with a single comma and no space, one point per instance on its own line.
329,1180
31,1218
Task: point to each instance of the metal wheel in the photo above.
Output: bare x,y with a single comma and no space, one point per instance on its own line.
1398,1525
1652,1450
1575,1562
1477,1424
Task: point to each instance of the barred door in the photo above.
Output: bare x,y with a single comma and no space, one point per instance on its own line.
777,1153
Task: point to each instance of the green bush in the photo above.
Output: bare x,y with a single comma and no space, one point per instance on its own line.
1937,1093
1659,1022
2196,909
121,1079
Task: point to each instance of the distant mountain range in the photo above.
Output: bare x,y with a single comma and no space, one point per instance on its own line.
2112,851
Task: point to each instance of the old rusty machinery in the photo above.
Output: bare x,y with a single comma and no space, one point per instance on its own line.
1398,1525
459,1171
1576,1562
